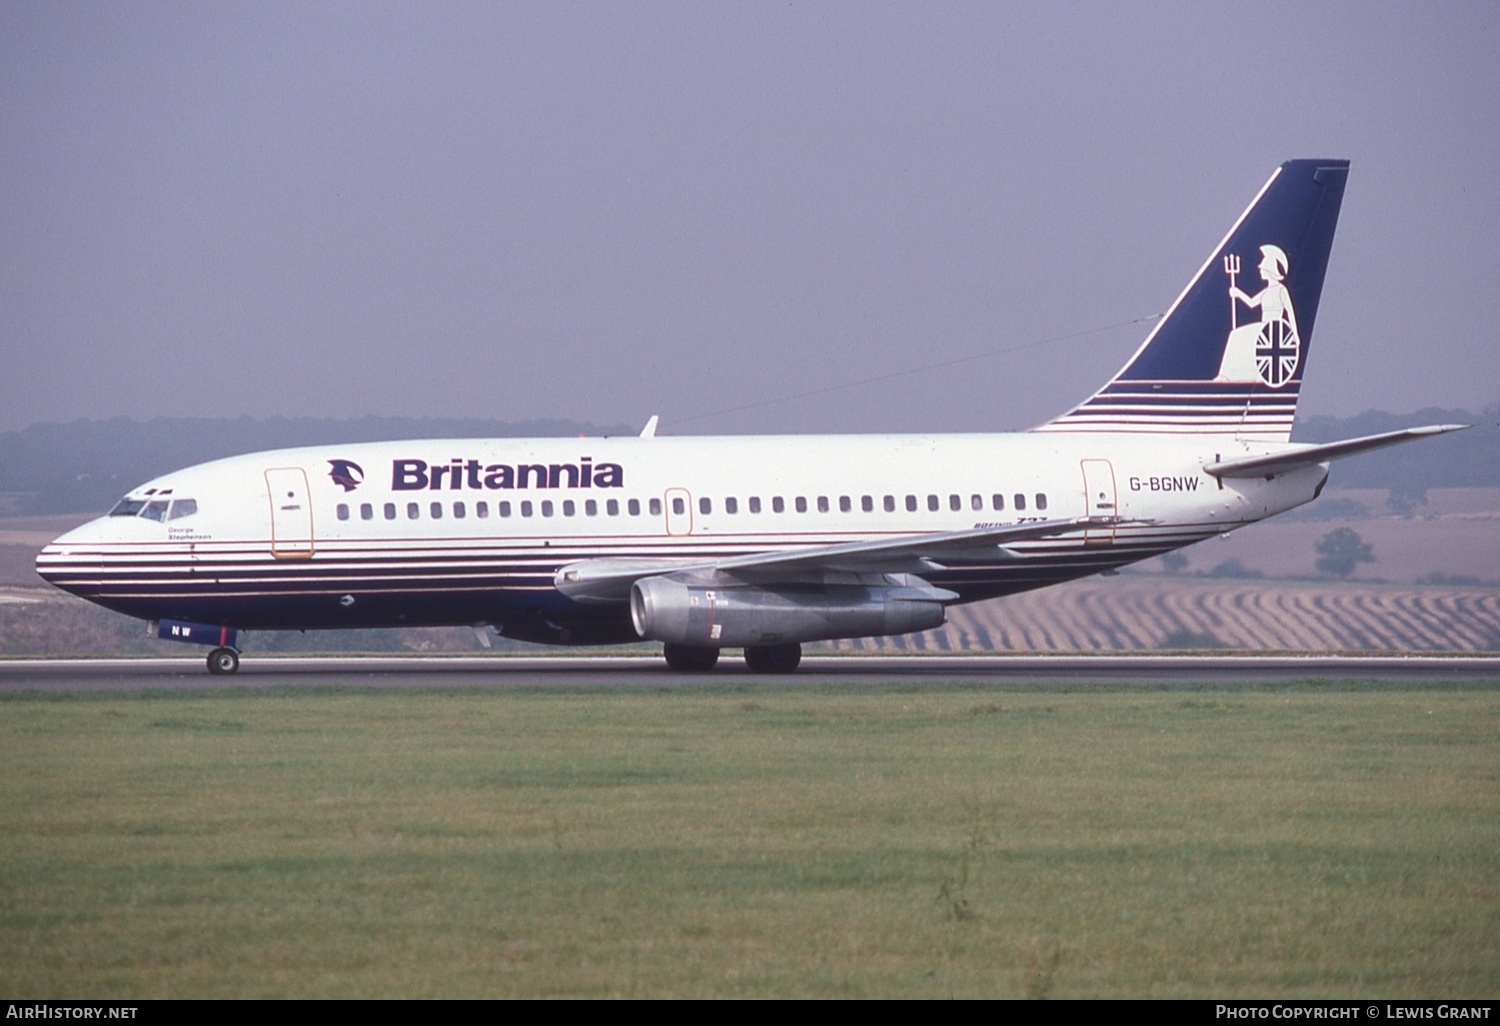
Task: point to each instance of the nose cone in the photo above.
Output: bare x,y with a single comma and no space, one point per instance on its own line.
74,562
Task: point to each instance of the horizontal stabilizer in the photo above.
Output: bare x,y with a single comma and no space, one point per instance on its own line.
1295,459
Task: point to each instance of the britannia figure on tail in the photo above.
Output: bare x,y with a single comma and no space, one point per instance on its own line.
1266,351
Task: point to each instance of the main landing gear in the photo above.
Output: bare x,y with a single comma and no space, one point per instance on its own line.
773,658
223,660
690,658
758,658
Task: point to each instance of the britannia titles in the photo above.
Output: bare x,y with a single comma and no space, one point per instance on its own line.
460,474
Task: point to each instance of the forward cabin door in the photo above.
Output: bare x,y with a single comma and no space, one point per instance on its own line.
291,513
1099,500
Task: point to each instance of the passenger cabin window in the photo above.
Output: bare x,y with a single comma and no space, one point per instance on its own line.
822,504
503,509
801,504
460,511
955,503
591,508
482,510
634,507
655,506
343,511
570,508
1020,501
366,511
777,504
526,508
437,510
546,507
755,504
890,504
976,502
413,511
845,504
612,507
867,503
390,511
932,503
731,505
911,504
705,505
1041,500
998,500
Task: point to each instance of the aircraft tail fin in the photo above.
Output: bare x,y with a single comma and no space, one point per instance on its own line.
1228,357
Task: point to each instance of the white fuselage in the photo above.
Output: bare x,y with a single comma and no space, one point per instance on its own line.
469,531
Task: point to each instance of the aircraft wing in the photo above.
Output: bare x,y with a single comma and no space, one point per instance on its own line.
609,580
1295,459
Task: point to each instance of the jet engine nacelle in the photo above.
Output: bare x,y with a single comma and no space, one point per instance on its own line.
739,615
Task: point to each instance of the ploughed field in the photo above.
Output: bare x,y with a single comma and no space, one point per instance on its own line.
1121,614
1136,613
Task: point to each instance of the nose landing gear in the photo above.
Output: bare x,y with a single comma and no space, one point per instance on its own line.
225,657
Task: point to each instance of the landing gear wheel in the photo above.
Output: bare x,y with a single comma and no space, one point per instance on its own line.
773,658
223,660
690,658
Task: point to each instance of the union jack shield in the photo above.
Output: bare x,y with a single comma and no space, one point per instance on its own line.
1277,350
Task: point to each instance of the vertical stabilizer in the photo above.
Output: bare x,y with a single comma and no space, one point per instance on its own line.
1228,357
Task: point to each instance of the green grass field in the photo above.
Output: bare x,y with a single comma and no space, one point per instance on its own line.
753,840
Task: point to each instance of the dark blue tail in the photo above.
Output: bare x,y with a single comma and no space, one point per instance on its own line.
1228,356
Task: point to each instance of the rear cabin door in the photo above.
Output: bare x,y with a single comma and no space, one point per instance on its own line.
1099,500
291,513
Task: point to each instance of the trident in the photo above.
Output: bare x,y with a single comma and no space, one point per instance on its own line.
1232,268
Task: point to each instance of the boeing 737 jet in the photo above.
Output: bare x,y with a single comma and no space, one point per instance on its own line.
754,543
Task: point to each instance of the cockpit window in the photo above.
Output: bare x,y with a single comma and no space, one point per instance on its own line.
161,510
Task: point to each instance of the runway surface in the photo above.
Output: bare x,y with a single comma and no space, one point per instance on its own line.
636,671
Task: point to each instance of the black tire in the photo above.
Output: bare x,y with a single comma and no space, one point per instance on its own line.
222,661
690,658
773,658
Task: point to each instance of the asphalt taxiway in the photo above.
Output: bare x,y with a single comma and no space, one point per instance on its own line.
596,671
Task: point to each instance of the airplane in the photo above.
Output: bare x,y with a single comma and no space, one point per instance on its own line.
755,543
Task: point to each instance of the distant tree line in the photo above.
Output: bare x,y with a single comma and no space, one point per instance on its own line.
1467,459
85,466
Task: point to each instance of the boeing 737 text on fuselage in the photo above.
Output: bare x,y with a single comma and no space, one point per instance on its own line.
758,544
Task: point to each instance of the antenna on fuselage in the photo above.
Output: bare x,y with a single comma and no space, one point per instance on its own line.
649,431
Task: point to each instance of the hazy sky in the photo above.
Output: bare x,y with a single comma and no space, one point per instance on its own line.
603,211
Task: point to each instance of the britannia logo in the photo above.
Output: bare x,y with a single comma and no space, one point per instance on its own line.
1267,350
346,474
